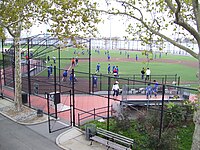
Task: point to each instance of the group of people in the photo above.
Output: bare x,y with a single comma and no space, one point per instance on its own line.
74,61
65,74
147,72
152,90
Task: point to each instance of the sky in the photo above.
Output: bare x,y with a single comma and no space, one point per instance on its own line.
113,27
109,28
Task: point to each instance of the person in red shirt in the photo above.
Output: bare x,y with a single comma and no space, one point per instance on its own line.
73,62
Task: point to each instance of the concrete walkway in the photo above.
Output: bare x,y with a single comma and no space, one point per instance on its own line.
74,139
71,139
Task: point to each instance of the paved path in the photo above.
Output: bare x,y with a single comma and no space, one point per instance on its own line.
35,135
14,136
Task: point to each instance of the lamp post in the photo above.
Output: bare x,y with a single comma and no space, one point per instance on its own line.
110,19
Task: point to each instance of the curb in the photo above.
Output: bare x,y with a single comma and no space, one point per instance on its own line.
22,123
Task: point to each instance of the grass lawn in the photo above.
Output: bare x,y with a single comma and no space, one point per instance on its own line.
127,68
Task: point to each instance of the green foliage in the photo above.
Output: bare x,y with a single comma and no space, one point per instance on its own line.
177,114
184,135
66,19
168,140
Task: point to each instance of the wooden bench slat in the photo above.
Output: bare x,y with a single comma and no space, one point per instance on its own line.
112,140
99,139
115,134
117,146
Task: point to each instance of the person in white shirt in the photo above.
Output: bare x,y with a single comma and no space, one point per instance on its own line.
115,88
148,73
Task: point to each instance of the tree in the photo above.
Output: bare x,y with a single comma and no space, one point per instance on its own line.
66,19
160,20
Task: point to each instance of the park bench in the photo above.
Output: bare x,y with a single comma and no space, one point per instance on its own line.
112,140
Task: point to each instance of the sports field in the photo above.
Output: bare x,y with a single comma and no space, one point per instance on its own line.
159,63
165,64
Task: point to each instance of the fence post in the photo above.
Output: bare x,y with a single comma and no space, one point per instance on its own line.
92,84
128,85
3,58
133,80
100,82
56,110
108,116
179,78
73,98
165,79
162,109
78,119
1,83
29,77
94,113
175,77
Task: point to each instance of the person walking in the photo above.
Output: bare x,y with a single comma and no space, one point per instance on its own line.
115,88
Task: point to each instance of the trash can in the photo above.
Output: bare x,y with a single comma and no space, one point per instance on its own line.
90,130
39,112
24,98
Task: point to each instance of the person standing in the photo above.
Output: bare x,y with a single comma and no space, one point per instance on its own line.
48,58
49,72
70,78
148,73
51,68
113,68
54,59
115,88
108,56
94,80
64,75
98,68
142,73
148,91
155,88
76,60
109,69
73,62
136,57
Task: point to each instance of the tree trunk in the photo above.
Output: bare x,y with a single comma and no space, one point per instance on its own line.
196,118
18,80
196,134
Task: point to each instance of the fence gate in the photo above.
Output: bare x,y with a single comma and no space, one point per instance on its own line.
59,110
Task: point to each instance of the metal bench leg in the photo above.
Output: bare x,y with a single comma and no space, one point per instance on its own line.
91,142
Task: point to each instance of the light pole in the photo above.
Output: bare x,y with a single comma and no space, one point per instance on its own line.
110,19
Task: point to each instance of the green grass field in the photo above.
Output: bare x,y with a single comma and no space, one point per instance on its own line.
127,67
